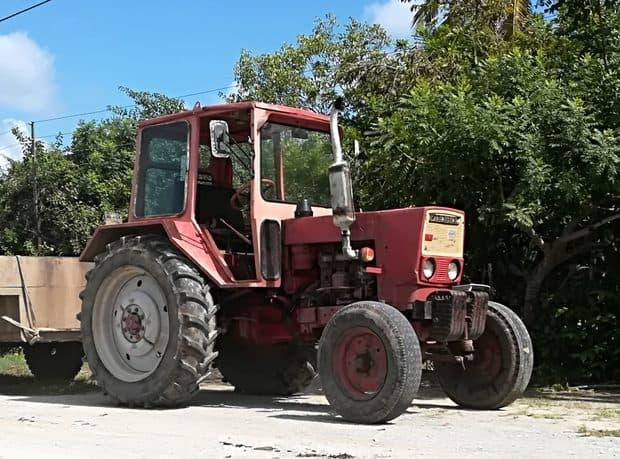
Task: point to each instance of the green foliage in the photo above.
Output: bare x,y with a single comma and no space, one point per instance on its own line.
147,105
531,148
525,138
104,152
506,113
506,17
77,185
359,61
66,222
305,166
306,159
311,73
577,335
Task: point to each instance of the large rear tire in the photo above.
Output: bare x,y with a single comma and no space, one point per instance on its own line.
148,323
265,370
54,361
370,362
501,368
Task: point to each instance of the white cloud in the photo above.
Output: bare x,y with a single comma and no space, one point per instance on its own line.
9,146
393,15
26,74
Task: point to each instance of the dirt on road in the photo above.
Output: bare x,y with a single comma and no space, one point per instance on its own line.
222,424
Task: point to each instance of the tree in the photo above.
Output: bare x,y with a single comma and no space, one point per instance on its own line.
65,221
359,61
504,16
77,184
513,145
147,105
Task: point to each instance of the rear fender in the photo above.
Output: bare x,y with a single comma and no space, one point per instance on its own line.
106,234
187,239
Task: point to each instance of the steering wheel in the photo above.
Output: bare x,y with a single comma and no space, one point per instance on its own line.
234,199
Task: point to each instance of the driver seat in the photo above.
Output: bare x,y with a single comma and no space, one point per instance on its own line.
213,202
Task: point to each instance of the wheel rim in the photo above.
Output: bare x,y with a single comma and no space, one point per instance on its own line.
360,363
130,323
487,362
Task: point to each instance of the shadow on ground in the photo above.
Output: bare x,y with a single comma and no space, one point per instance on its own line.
83,392
29,386
595,396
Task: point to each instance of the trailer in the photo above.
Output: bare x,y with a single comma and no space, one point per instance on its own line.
39,301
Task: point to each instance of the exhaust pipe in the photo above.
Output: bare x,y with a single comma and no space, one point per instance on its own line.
340,185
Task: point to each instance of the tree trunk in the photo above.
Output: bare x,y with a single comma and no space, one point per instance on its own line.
533,284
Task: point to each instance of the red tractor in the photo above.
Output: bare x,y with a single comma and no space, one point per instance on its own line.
243,251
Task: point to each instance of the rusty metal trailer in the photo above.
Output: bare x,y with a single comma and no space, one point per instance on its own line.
39,300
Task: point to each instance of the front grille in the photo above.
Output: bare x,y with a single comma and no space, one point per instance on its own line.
441,271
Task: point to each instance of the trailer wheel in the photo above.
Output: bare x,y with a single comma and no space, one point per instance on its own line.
265,370
54,361
148,323
370,362
501,368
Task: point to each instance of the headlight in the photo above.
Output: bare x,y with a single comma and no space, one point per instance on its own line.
453,270
428,268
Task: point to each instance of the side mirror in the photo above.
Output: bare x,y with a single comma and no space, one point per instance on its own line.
220,139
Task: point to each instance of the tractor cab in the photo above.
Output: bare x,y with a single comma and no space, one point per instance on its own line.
235,171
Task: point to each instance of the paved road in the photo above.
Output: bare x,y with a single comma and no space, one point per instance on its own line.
222,424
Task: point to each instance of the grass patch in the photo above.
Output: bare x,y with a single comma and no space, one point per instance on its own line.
13,363
586,431
607,414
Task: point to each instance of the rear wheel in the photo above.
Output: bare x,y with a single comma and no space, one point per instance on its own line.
54,361
148,323
265,370
370,362
501,368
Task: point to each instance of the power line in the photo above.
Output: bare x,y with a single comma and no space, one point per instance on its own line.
75,115
95,112
17,144
24,10
53,135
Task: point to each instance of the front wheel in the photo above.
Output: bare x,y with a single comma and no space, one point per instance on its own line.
501,368
370,362
148,323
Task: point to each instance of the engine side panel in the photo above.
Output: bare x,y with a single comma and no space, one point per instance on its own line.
397,239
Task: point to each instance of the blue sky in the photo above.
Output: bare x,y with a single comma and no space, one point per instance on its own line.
70,56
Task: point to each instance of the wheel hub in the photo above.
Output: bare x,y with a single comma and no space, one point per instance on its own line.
132,323
487,362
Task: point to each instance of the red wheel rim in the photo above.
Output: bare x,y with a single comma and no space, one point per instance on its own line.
360,363
487,361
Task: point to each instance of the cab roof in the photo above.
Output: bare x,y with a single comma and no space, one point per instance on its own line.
250,105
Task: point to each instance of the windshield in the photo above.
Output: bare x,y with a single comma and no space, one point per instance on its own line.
294,163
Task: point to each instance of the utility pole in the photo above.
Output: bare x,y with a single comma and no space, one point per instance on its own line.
35,191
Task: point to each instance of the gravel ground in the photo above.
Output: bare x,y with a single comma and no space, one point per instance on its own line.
222,424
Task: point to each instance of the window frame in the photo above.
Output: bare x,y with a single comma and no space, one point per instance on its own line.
140,175
260,172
